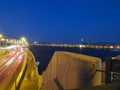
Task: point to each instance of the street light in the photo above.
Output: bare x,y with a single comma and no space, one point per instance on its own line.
1,35
23,39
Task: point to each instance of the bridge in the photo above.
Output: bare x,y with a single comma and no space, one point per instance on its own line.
18,70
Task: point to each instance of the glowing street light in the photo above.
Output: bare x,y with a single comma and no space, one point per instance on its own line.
1,35
23,39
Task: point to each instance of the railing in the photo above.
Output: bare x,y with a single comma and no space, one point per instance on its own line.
112,76
112,70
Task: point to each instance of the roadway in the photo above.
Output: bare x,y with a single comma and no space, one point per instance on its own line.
10,63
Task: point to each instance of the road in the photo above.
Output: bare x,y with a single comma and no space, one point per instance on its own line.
10,63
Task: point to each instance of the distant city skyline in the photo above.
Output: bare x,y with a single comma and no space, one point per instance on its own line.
61,21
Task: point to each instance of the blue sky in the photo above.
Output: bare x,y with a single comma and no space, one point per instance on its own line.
61,20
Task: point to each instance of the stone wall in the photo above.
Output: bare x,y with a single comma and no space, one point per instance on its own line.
72,71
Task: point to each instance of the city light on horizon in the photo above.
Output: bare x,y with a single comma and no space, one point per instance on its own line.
8,41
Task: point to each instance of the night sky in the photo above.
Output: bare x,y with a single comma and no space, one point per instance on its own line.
61,21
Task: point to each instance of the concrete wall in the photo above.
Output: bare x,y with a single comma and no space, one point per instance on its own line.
72,70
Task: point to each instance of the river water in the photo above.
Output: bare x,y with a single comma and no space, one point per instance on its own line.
43,54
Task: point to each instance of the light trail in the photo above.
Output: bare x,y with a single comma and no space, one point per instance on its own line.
9,64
